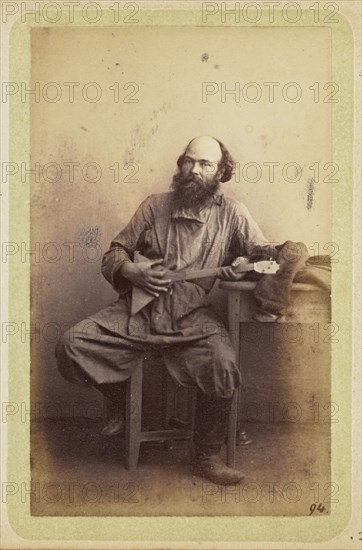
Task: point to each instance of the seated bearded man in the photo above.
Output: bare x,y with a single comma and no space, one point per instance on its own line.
195,227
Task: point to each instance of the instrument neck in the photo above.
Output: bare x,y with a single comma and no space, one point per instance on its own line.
187,274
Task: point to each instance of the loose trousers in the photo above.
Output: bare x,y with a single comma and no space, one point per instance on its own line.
105,348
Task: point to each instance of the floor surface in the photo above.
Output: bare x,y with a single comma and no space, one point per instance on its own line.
76,471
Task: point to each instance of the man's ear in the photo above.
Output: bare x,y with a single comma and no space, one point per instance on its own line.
180,161
220,173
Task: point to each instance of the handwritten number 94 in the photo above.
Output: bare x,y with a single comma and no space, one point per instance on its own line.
314,507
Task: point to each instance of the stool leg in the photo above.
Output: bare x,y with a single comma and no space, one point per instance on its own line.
191,414
169,405
231,440
134,417
169,400
239,427
107,407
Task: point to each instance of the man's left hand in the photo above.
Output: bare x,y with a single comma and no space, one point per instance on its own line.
229,273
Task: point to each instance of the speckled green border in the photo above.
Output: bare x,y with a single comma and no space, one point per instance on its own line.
227,529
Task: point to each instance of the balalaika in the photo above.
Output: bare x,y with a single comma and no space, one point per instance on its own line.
140,296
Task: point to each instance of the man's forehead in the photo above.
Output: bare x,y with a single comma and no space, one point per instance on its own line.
204,147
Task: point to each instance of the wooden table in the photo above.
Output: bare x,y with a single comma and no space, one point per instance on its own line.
309,307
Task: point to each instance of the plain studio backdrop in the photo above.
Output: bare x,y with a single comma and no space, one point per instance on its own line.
140,95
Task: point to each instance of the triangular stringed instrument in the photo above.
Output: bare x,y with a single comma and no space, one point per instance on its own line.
140,296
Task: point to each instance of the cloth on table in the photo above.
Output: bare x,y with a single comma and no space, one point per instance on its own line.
272,292
317,271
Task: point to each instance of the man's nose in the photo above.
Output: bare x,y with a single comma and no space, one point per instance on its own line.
196,169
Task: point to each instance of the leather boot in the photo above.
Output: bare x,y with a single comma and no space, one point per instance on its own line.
211,422
213,469
115,423
115,396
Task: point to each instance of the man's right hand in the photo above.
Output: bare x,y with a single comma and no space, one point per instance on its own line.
144,275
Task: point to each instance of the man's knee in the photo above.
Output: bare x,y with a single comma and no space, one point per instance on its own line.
80,333
66,341
62,343
75,338
221,376
69,351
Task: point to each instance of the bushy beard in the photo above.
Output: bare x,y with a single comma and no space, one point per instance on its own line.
191,191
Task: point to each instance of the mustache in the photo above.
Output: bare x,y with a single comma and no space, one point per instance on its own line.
191,178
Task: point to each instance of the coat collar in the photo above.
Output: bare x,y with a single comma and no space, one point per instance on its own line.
201,216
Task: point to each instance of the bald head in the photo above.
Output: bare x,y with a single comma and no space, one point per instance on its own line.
204,148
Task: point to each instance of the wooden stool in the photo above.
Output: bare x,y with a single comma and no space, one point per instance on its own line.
174,428
135,435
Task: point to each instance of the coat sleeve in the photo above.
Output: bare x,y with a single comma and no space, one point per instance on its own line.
124,245
247,237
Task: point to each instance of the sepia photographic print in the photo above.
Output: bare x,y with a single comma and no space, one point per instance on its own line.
180,253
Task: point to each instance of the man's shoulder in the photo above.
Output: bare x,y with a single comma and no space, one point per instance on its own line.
234,206
159,200
157,205
160,197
